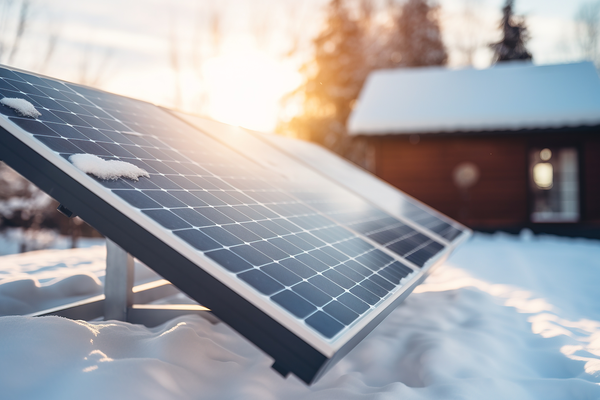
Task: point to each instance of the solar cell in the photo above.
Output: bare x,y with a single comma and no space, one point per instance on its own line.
301,266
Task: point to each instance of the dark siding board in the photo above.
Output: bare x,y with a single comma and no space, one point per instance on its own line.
591,177
500,198
425,171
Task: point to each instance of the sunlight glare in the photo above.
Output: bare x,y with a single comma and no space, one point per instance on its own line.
246,88
172,329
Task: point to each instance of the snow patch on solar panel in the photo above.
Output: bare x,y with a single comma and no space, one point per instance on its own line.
21,106
107,169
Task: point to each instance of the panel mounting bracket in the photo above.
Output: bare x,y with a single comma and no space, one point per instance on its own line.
65,211
119,294
118,282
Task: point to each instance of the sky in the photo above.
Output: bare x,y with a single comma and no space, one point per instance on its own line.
231,60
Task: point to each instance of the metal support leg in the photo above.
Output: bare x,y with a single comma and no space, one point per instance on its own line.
117,303
118,282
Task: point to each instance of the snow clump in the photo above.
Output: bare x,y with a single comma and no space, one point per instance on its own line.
21,106
107,169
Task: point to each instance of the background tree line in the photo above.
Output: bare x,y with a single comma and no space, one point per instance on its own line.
352,44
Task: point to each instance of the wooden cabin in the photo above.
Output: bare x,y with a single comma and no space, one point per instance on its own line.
512,146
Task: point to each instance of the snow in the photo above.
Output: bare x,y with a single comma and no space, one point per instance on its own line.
12,240
511,96
107,169
43,279
506,317
21,106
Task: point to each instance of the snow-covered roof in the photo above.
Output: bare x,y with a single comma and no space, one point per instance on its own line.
512,96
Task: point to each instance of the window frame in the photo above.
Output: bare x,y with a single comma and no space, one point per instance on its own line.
555,147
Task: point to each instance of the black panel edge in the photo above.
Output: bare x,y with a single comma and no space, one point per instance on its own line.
277,341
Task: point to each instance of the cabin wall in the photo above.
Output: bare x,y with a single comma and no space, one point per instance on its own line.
591,177
424,168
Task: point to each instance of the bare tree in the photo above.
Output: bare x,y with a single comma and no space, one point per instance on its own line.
16,20
93,66
11,31
52,41
197,40
205,44
208,34
216,28
295,28
468,36
587,29
261,24
22,25
175,62
5,11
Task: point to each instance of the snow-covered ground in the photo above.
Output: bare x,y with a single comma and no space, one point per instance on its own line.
507,317
11,240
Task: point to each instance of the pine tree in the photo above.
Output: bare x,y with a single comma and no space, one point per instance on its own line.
514,36
417,40
335,77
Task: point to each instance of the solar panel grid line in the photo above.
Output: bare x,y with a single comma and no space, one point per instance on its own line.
375,230
419,247
325,247
370,235
433,222
422,229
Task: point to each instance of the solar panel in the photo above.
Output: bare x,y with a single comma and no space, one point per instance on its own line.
296,263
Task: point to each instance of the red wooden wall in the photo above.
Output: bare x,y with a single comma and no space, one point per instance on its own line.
500,198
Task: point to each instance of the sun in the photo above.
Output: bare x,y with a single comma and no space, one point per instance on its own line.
246,88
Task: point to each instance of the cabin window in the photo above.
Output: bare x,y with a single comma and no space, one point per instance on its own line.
554,184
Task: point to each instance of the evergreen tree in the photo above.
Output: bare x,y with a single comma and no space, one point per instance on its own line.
334,79
514,36
417,40
350,46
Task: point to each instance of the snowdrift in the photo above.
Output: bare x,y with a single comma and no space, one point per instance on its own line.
505,318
